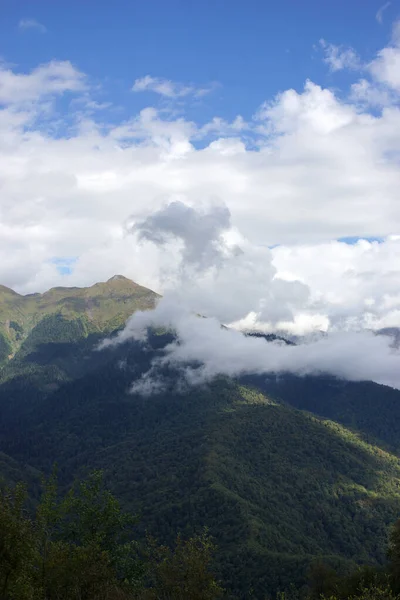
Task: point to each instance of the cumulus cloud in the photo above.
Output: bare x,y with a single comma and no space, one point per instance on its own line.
354,286
200,231
372,94
219,272
385,68
25,24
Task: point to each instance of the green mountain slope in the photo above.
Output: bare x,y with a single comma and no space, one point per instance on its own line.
366,407
277,487
49,338
102,308
279,482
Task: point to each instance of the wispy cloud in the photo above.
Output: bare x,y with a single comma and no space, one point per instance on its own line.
339,57
379,14
25,24
167,88
372,94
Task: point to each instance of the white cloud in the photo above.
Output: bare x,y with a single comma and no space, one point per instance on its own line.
218,272
381,84
353,286
55,77
339,57
25,24
385,68
379,14
369,93
221,127
348,355
322,170
167,88
199,230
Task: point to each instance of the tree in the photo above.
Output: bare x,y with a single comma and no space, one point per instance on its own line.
87,547
73,547
394,556
182,572
323,581
18,550
80,547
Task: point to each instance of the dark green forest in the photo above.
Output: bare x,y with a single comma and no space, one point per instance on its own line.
296,481
82,546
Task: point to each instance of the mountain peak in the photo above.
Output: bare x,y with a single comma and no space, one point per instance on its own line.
119,278
6,291
100,309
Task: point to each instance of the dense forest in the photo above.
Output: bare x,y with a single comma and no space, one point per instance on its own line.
265,485
82,546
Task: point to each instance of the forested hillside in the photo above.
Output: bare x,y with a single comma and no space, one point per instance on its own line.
283,472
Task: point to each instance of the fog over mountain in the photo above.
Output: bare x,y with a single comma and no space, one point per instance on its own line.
224,277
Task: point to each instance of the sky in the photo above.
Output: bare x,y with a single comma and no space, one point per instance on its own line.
249,51
240,158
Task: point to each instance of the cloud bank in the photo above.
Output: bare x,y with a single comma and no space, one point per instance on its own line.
204,350
224,277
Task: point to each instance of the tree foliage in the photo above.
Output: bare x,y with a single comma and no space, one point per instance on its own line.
80,546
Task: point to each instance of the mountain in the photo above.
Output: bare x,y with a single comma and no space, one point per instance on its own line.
100,308
283,471
48,338
370,409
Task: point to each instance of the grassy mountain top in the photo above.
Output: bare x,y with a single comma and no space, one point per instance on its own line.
102,308
6,292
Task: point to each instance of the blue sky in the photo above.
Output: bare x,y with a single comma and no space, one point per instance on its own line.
253,49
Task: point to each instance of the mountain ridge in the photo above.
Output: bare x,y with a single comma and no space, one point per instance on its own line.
102,308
